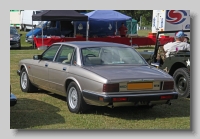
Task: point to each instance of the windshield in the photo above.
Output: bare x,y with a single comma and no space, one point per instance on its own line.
111,56
13,31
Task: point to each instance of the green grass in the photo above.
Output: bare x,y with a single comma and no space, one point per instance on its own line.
23,43
43,110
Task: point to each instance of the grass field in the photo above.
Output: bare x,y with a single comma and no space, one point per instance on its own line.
43,110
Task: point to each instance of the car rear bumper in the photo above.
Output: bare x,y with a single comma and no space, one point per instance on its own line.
13,99
14,44
103,99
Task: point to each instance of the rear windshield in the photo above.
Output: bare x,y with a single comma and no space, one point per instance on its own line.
111,56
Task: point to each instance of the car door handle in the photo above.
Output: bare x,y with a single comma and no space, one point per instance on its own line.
46,65
64,68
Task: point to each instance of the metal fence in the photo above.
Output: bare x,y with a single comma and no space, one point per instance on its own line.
144,28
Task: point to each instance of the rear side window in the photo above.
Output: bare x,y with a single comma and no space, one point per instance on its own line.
65,54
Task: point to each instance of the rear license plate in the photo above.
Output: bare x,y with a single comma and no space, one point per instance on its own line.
139,86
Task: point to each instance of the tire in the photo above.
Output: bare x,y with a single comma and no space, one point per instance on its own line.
75,101
25,83
182,82
19,48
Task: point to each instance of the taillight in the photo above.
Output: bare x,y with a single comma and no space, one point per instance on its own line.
168,85
111,87
119,99
166,97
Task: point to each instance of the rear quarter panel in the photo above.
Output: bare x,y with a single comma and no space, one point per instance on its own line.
86,79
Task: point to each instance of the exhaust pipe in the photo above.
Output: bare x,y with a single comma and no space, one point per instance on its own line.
110,105
169,102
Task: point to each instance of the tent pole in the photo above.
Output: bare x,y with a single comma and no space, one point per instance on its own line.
116,29
131,33
42,34
60,26
32,35
87,30
74,29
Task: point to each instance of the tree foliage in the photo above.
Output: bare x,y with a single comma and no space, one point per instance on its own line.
146,15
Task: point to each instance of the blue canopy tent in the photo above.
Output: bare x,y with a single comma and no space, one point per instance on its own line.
106,15
103,22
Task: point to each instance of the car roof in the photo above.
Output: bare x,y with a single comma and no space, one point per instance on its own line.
82,44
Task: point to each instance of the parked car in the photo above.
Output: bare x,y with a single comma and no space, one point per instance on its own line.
15,38
50,28
176,65
96,73
13,98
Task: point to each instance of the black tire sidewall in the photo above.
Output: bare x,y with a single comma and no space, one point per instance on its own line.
19,45
182,72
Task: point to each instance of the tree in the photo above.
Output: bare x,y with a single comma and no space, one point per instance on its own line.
135,14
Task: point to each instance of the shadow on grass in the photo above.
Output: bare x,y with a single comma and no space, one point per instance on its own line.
29,113
27,48
23,48
179,108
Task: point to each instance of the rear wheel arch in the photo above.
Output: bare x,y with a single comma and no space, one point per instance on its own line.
176,66
69,80
24,66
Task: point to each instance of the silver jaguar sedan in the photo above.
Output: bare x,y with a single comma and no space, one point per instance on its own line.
96,73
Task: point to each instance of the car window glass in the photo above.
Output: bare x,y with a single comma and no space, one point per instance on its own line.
50,53
65,54
13,31
89,53
111,56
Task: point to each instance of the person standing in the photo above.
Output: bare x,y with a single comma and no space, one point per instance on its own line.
123,30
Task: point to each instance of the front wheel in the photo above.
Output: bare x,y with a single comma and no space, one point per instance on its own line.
75,101
19,46
25,83
182,82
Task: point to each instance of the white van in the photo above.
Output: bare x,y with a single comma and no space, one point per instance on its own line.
15,16
26,19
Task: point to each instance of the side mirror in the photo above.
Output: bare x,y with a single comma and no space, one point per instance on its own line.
37,57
